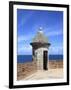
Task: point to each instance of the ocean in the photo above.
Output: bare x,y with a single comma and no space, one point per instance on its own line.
28,58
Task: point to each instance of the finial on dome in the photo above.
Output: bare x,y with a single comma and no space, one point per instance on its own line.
40,28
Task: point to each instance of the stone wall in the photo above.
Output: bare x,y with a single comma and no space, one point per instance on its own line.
39,58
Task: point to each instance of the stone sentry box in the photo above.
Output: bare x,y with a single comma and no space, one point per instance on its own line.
40,46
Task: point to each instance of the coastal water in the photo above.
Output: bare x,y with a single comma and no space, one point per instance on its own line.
28,58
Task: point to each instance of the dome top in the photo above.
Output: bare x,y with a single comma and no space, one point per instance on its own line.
40,37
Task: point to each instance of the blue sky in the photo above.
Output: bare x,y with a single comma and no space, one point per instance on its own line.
28,23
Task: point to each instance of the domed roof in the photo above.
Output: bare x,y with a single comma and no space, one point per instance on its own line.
40,37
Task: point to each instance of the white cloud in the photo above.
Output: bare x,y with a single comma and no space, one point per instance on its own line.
54,33
25,49
21,38
56,50
24,38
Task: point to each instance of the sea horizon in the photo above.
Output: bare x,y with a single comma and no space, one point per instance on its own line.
28,58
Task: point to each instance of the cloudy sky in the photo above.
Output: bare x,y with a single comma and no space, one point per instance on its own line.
28,23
